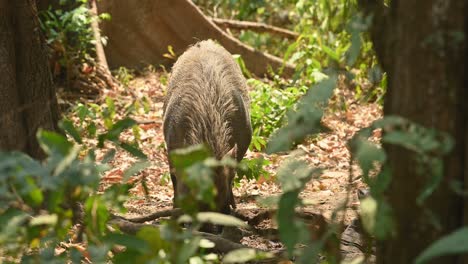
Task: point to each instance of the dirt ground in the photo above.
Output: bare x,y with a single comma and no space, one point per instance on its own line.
327,151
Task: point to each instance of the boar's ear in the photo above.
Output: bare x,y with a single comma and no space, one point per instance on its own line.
232,152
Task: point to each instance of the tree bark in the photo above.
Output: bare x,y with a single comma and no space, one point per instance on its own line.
27,96
426,61
140,32
100,54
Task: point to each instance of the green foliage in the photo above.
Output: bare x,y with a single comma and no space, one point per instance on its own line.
196,174
244,255
429,145
220,219
332,34
39,205
252,169
305,118
268,109
452,244
39,198
69,34
293,176
88,127
124,75
170,243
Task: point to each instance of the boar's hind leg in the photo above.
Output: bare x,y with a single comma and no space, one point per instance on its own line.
174,183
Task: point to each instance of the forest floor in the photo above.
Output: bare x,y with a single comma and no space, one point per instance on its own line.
328,151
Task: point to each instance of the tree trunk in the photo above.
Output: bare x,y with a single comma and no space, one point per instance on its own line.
27,96
141,31
419,45
100,55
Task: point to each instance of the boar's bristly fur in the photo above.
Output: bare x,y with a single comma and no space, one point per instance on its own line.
207,103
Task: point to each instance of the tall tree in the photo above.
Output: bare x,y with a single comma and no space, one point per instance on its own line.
27,96
423,46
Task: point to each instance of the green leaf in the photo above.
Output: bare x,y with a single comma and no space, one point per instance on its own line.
253,168
133,150
98,253
68,126
52,142
376,217
294,174
116,130
243,255
367,154
356,25
188,249
199,179
183,158
134,169
92,129
108,156
242,65
76,256
306,120
34,196
436,168
354,50
205,243
11,220
84,111
220,219
128,241
287,227
152,236
105,16
67,160
96,214
44,220
331,53
451,244
311,254
368,212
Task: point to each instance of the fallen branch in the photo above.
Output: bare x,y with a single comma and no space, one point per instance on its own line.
165,213
254,26
252,217
222,245
255,217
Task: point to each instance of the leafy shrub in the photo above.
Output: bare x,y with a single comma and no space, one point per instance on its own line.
39,206
69,34
39,200
124,75
268,108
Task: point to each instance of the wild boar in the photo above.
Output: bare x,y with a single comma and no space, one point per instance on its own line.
207,103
